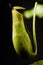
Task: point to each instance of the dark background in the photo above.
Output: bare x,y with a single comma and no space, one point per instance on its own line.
8,54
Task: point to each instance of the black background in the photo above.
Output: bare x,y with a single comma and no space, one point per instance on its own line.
8,54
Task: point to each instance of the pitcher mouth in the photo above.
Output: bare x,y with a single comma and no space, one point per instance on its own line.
16,7
19,7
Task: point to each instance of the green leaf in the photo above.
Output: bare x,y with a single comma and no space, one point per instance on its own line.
28,13
40,62
39,12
